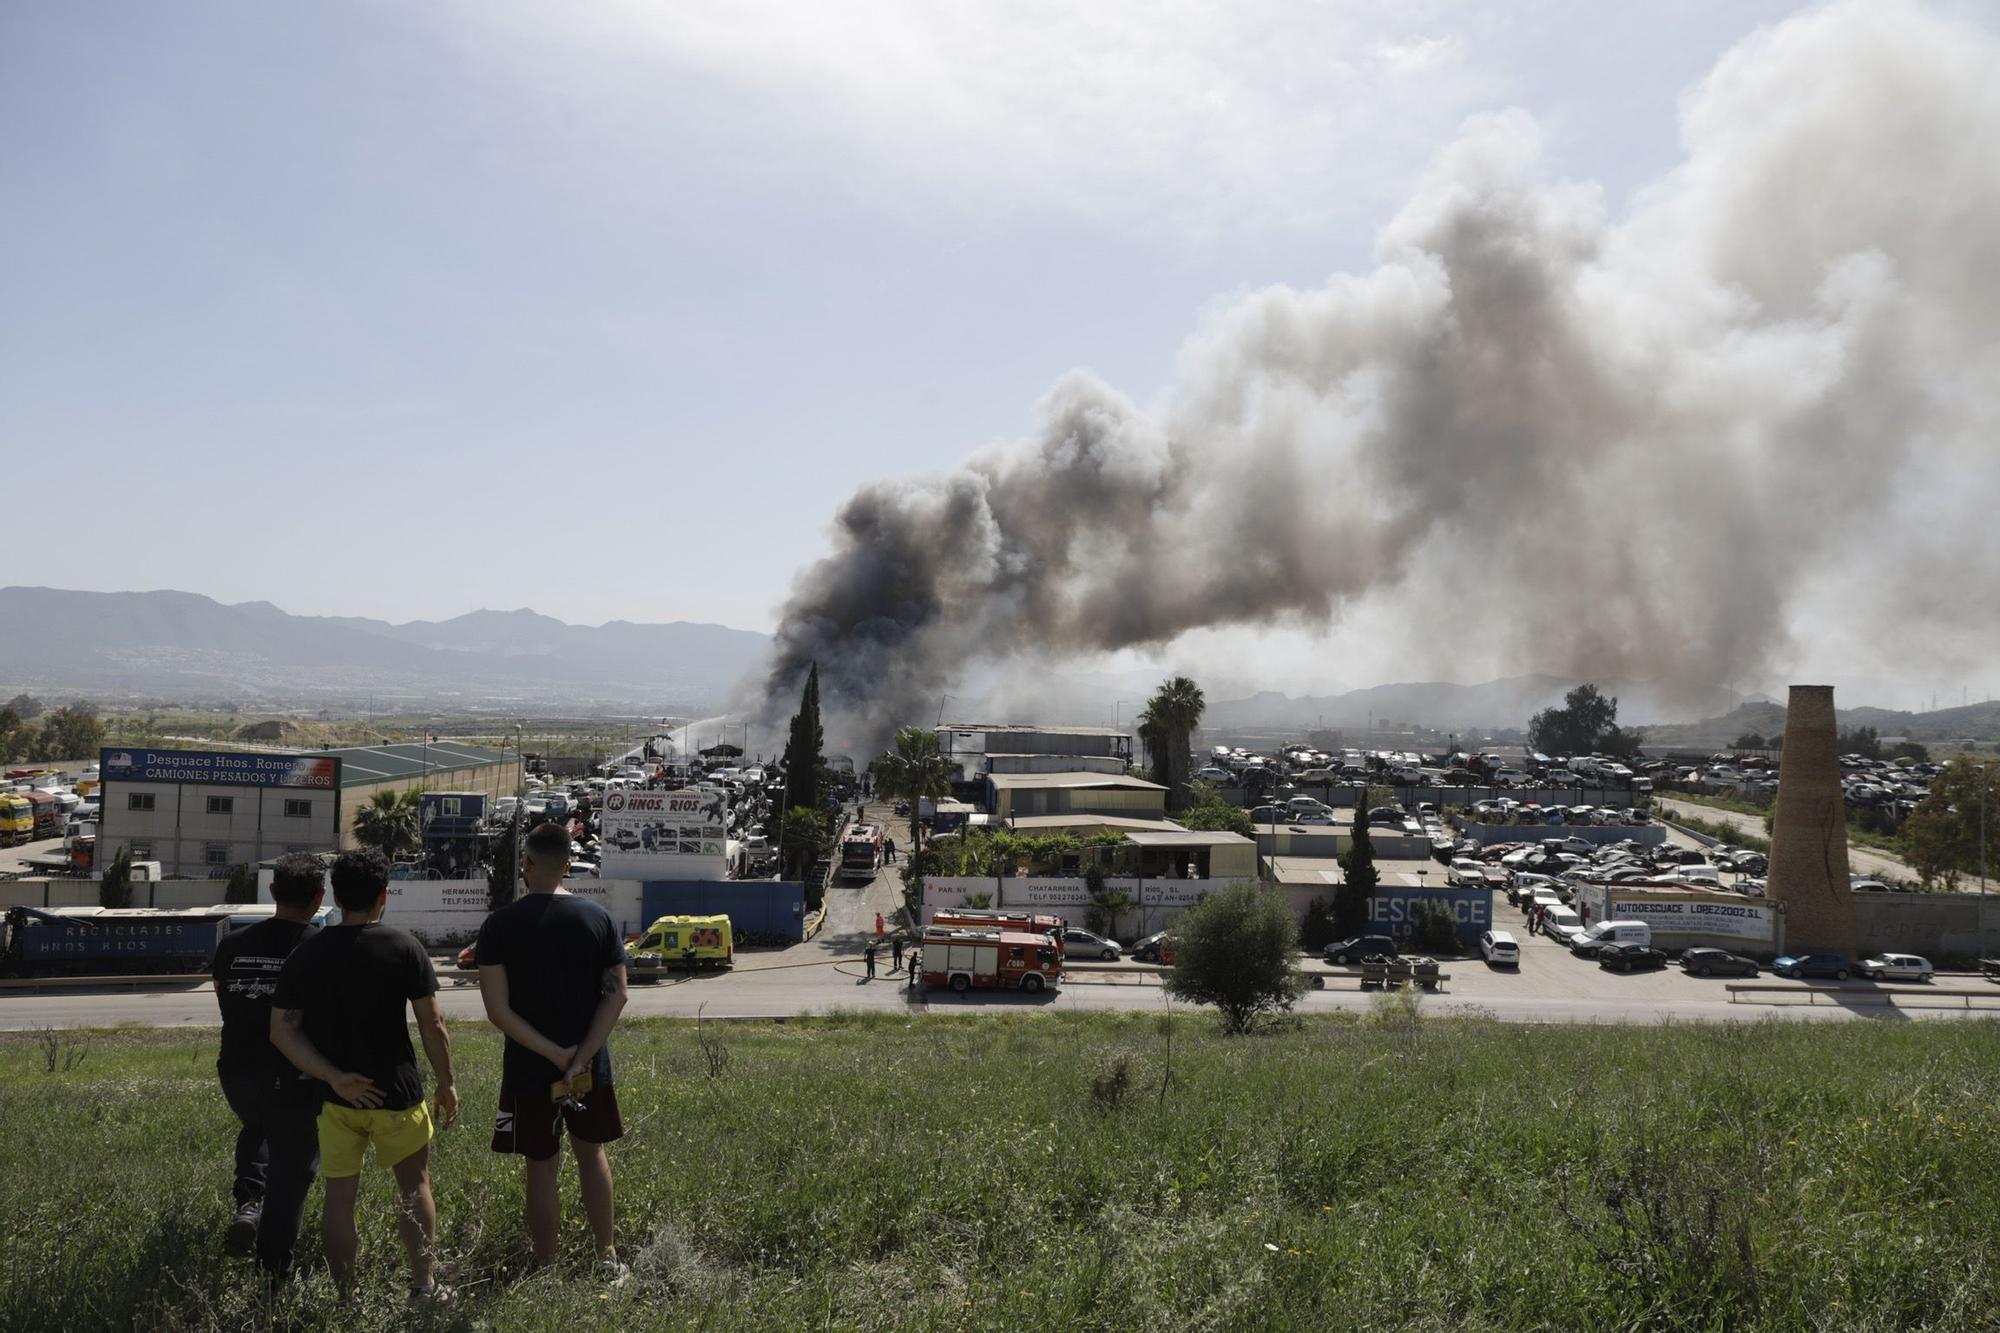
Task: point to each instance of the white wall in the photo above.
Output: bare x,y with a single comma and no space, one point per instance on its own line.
449,911
1159,900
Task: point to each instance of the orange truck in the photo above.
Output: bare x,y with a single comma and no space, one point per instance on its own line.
966,960
979,918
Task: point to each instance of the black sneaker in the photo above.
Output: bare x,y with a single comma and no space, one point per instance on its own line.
241,1237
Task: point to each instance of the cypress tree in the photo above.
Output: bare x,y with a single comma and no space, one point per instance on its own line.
1353,901
803,760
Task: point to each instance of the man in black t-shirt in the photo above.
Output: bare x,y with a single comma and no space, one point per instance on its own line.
552,975
277,1148
338,1016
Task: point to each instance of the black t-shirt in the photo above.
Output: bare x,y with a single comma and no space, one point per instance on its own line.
555,947
246,968
354,984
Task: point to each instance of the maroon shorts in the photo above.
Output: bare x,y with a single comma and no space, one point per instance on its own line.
533,1126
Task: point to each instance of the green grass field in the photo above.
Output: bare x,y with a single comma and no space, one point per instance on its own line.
1102,1172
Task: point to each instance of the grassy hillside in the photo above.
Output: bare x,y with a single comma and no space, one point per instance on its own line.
1104,1172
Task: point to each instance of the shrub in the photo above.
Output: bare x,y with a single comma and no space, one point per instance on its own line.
1432,929
1238,951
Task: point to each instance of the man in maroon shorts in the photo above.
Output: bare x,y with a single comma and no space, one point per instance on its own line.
552,975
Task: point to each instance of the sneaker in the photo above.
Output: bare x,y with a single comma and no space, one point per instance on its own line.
241,1237
615,1272
437,1293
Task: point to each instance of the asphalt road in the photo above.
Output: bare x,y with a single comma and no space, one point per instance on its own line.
825,974
1860,860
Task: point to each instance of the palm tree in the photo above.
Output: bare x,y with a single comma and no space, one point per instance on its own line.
914,770
388,822
1167,727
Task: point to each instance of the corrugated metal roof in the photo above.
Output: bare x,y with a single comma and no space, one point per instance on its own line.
363,765
1108,823
1310,870
1111,780
1181,837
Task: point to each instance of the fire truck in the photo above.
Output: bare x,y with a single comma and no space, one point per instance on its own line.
976,918
861,852
965,960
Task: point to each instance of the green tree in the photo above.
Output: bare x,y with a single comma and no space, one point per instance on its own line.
1238,950
1908,750
1587,723
1354,899
115,889
388,823
805,765
1749,740
503,874
1106,903
803,836
1317,931
1432,929
1167,728
915,769
1941,837
14,734
70,733
27,706
1209,813
242,887
1864,741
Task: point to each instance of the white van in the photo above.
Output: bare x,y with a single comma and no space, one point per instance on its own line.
1562,925
1586,943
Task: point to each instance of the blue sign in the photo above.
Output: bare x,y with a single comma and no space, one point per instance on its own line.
1393,910
313,772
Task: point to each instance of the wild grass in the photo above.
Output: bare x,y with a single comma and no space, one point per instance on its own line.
1101,1172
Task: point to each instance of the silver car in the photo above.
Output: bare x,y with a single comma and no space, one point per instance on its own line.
1079,943
1896,967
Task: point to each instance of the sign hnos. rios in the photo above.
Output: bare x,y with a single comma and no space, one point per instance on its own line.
665,835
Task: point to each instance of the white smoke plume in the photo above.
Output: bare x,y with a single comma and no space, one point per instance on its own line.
1613,447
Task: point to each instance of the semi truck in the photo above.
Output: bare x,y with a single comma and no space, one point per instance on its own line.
110,942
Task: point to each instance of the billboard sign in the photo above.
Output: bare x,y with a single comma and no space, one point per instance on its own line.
311,772
1394,908
1678,920
664,835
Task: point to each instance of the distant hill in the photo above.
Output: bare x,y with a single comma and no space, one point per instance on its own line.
165,642
1971,722
1509,702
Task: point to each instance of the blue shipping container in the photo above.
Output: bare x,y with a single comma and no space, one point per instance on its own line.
769,907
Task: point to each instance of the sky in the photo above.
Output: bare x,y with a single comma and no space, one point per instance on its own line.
604,308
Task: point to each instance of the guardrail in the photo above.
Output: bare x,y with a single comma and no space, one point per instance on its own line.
1885,995
132,981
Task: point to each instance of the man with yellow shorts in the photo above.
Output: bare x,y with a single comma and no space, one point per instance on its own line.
338,1015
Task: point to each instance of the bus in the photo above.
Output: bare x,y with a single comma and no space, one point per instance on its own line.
965,960
861,852
976,918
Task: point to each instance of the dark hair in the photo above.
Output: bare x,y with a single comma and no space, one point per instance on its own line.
359,879
548,842
296,879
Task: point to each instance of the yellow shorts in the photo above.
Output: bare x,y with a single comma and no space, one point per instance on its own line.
345,1133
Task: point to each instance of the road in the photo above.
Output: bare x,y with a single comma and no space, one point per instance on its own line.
825,974
1860,860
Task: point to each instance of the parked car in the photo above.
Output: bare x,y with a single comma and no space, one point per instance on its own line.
1148,949
1796,966
1629,957
1896,967
1358,948
1589,943
1717,963
1866,884
1078,943
1500,949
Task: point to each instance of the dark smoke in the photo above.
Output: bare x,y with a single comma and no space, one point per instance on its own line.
1631,449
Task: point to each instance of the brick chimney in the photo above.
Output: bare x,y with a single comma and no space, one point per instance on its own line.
1808,871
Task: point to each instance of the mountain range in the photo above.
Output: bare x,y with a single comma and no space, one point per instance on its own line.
180,642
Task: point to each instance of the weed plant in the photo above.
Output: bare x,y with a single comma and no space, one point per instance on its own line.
1387,1171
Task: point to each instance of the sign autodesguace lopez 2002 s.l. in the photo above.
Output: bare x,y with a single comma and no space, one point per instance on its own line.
241,769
